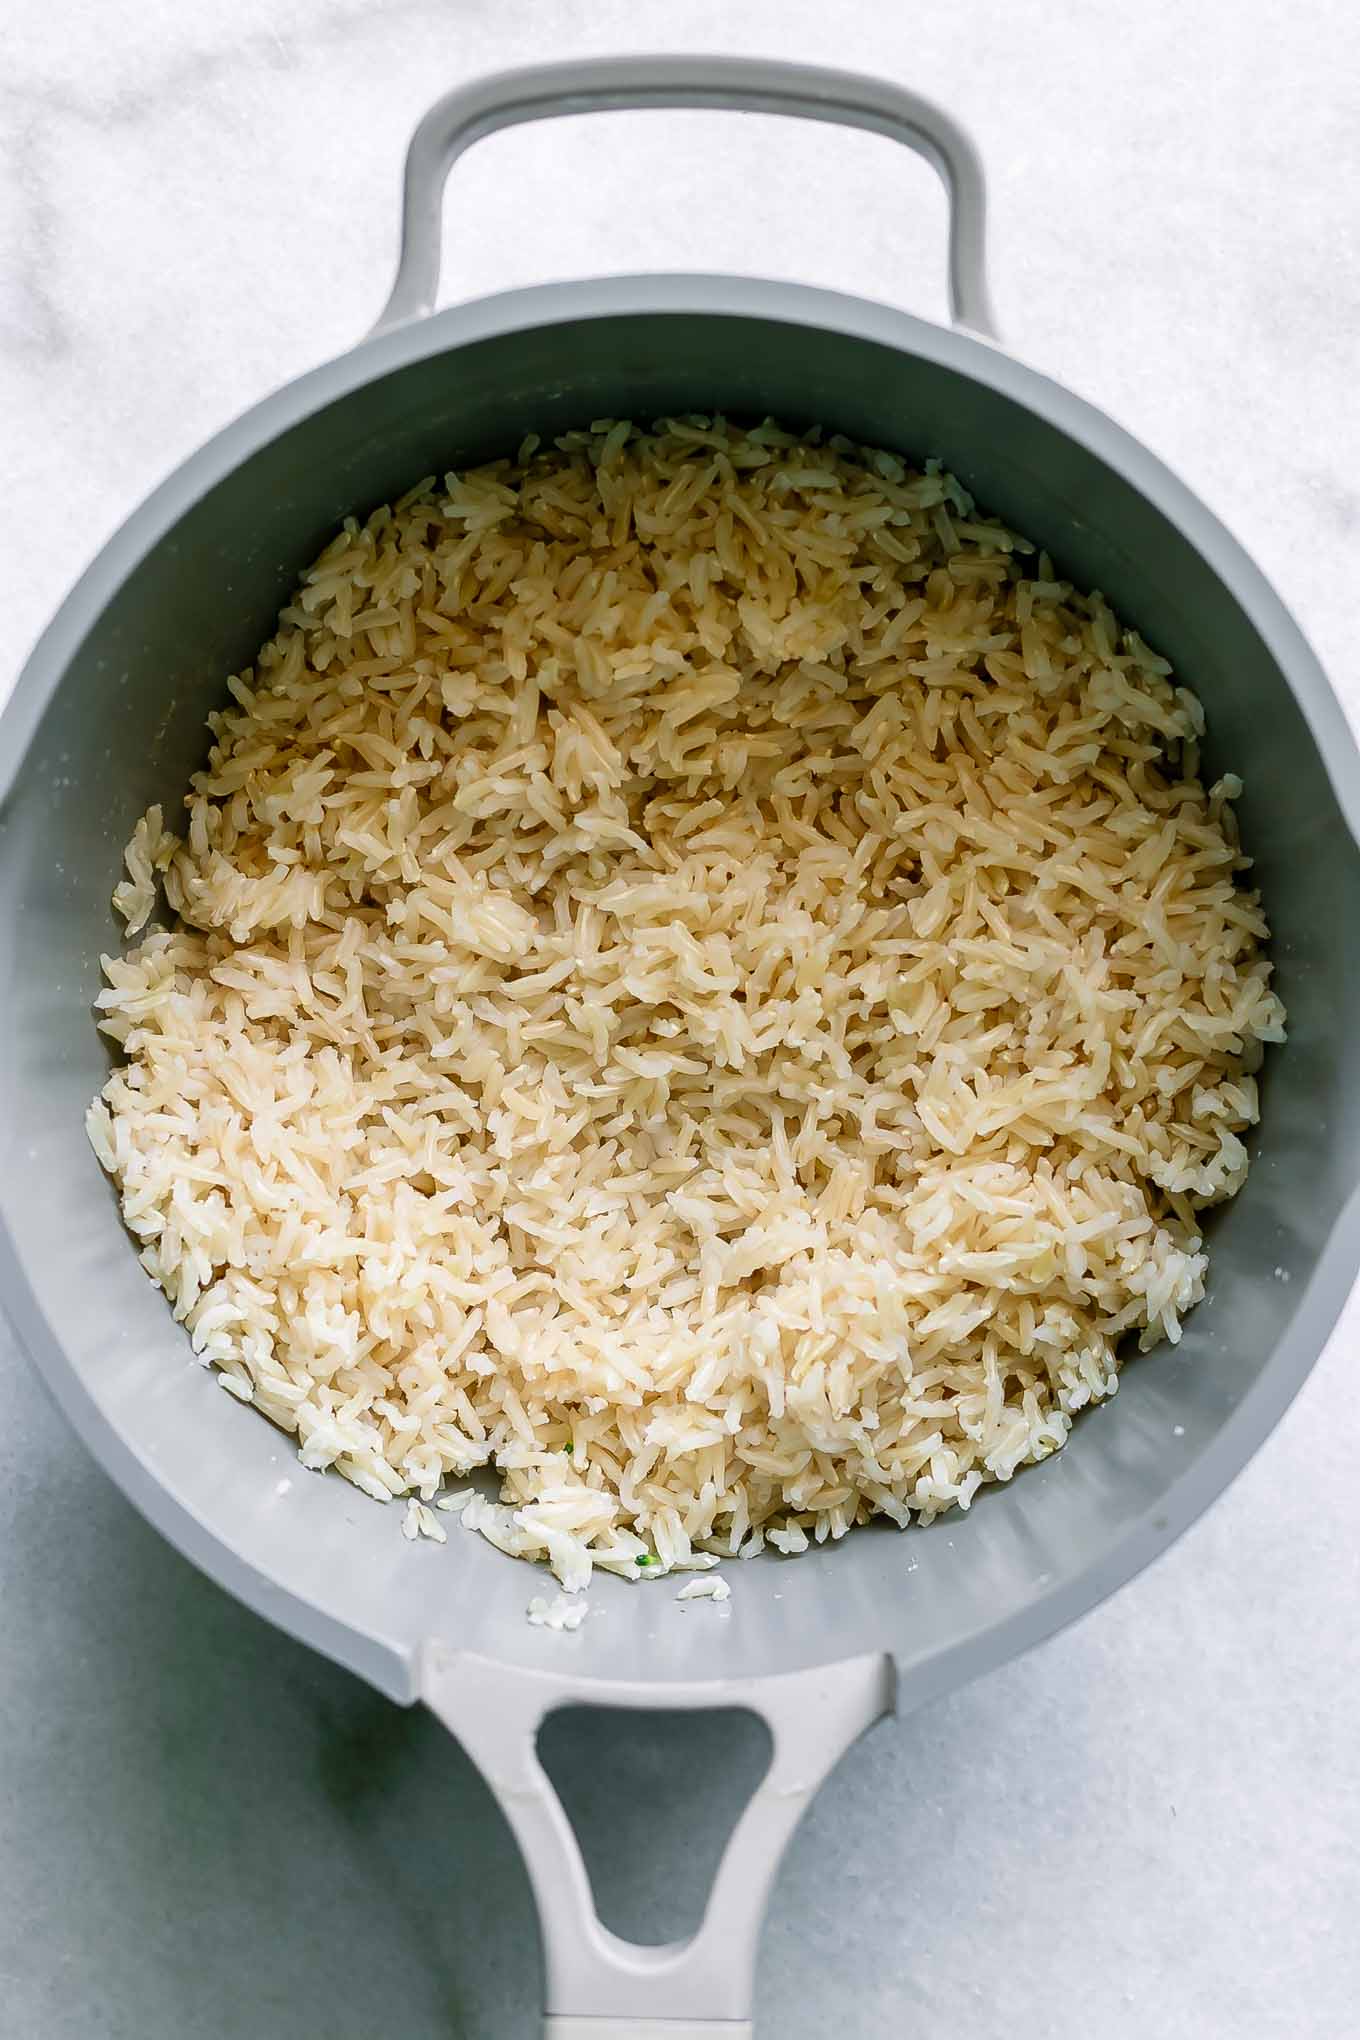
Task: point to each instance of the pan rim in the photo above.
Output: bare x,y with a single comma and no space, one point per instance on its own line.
392,1663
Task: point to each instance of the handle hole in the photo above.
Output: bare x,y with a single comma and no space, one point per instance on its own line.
680,190
653,1798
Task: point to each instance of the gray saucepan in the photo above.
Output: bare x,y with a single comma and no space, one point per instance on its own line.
109,716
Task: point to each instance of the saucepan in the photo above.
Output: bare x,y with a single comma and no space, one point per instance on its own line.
109,716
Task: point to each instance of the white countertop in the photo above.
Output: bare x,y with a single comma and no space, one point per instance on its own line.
1149,1829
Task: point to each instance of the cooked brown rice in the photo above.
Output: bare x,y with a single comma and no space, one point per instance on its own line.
705,978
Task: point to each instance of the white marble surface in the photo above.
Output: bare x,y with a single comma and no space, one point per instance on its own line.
1148,1830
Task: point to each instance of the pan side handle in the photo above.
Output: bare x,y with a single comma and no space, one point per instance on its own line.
599,1986
724,84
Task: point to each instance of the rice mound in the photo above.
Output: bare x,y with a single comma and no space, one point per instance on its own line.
705,979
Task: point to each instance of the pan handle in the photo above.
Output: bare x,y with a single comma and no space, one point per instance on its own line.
598,1986
741,84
